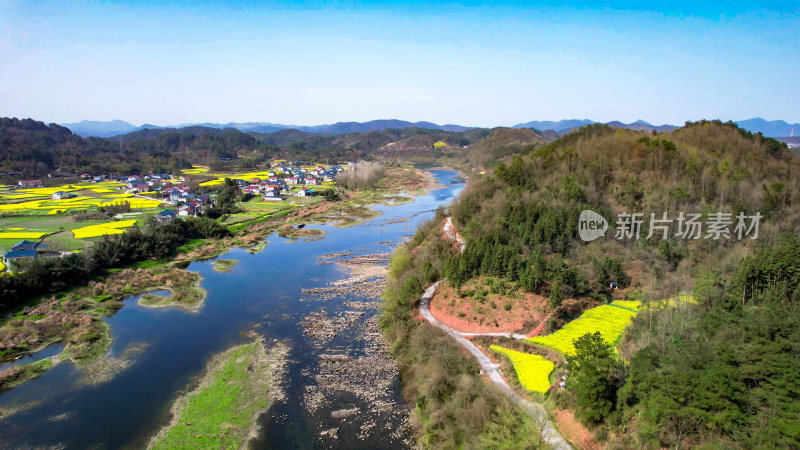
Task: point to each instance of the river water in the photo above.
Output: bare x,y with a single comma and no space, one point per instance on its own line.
261,294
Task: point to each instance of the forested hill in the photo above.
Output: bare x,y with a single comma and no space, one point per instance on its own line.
531,203
721,371
35,149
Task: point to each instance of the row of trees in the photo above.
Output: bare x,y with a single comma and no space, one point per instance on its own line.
362,175
154,241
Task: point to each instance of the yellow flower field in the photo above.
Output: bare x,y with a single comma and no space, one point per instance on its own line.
609,320
2,266
674,301
22,234
22,196
212,183
102,229
78,202
193,171
117,196
533,371
630,304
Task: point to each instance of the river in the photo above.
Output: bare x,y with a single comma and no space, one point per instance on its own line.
262,294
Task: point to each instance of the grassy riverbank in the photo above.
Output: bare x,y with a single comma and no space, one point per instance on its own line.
237,386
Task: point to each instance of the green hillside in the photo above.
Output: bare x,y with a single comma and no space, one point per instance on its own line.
721,371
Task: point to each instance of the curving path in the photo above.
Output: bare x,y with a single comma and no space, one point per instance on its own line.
508,335
449,229
539,414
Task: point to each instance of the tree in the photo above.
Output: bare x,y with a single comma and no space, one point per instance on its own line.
555,295
591,371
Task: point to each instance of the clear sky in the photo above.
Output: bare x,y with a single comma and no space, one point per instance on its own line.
470,63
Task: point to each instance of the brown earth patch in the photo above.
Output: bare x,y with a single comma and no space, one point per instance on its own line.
574,431
513,312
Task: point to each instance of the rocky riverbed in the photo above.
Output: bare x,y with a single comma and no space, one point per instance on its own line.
353,360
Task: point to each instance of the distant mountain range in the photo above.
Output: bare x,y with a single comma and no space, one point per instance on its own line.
565,126
771,128
86,128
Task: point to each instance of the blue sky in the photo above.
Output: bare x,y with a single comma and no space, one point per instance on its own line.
471,63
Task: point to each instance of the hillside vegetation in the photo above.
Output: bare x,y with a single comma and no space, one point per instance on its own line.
35,149
723,370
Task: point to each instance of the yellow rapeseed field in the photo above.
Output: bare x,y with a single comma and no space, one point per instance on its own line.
533,371
102,229
78,202
630,304
212,183
22,234
609,320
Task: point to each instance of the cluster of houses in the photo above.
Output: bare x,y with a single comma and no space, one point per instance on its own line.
150,183
171,190
283,176
297,175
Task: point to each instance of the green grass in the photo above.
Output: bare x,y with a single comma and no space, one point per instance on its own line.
63,239
258,247
220,413
238,218
188,295
27,372
224,265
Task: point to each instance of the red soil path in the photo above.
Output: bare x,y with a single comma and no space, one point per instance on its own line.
574,431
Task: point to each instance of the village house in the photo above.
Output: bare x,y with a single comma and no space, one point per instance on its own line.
252,189
186,210
272,194
23,249
29,183
61,195
165,216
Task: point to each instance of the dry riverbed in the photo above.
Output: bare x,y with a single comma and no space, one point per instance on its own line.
358,366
